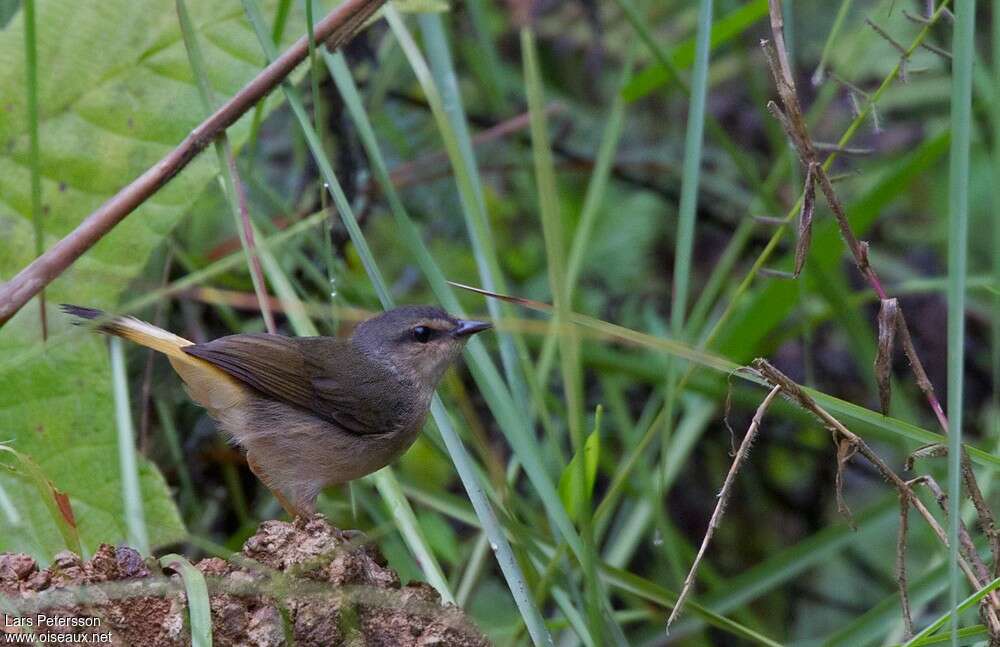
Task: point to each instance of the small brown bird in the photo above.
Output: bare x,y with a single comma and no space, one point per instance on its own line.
314,411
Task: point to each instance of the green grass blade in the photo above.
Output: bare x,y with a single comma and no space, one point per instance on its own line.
592,202
227,167
552,229
691,172
166,418
726,28
958,206
34,156
395,500
135,520
966,604
198,601
995,120
838,22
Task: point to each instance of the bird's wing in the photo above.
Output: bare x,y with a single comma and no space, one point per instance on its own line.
323,376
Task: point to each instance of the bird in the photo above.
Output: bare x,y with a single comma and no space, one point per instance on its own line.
312,412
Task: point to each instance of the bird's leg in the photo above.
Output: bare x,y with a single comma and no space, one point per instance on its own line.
292,510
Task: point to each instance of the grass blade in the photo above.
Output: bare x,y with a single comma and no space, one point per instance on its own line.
34,159
198,601
958,206
450,116
572,380
966,604
687,211
227,167
135,520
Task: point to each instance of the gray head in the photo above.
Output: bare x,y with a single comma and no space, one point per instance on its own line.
418,341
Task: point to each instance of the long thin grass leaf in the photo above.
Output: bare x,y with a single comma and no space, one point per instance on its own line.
227,166
198,602
552,230
34,156
958,206
440,82
966,604
691,171
135,520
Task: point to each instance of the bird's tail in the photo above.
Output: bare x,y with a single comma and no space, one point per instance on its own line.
207,385
135,330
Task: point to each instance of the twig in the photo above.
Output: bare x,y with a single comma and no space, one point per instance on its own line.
904,54
991,603
720,507
335,29
946,55
794,392
904,596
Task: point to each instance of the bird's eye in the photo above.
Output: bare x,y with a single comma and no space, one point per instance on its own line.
422,334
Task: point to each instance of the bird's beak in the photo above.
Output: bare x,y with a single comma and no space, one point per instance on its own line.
466,328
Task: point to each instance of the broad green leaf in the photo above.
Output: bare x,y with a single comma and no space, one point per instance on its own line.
115,94
56,502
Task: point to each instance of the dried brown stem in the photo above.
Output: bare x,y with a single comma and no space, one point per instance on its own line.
794,125
904,595
720,507
969,561
805,220
335,29
967,547
946,55
888,318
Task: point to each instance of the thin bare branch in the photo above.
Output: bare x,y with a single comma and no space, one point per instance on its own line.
335,29
904,595
904,54
946,55
720,507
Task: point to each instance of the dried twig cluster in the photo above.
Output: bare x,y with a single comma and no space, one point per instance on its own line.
892,326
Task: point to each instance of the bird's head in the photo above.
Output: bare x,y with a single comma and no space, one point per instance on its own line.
419,342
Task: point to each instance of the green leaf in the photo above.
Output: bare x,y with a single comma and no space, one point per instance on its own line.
198,601
569,482
103,121
56,502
